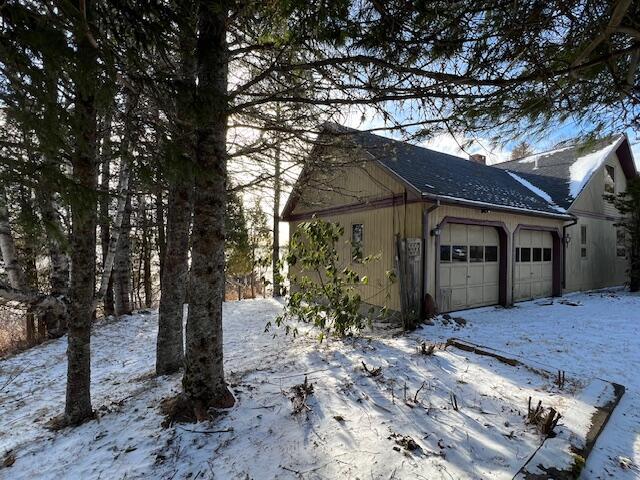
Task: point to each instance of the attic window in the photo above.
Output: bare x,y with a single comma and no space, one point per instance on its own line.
609,179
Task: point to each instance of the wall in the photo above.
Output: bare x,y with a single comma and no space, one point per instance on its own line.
602,267
356,181
379,225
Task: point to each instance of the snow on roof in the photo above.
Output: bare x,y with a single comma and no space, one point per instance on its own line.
582,169
536,156
539,192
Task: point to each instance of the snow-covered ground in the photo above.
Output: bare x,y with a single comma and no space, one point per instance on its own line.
355,420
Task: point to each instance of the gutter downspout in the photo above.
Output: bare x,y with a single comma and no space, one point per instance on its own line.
425,266
564,251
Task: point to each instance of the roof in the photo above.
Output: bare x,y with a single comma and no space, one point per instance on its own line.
546,183
443,176
564,172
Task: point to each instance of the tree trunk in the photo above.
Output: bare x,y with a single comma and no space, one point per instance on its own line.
54,231
59,268
8,246
122,264
146,253
161,238
175,268
84,218
105,231
28,221
275,255
203,381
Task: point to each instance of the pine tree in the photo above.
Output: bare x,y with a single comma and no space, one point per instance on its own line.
628,204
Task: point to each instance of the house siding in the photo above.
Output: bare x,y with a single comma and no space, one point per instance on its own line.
602,267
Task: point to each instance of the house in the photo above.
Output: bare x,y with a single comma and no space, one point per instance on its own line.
459,233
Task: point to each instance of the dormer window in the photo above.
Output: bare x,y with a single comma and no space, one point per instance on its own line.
609,179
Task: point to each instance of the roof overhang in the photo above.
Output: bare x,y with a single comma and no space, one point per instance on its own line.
444,199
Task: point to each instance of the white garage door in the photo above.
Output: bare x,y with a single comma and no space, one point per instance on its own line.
469,267
533,265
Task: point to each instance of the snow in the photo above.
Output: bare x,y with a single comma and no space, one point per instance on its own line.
263,440
582,169
599,338
540,193
537,156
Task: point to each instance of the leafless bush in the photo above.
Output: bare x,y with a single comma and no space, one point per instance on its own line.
12,332
299,396
545,420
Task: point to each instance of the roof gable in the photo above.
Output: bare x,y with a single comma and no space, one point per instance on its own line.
564,173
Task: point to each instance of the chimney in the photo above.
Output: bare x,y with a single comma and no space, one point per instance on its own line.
478,158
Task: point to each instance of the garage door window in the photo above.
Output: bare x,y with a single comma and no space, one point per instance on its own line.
476,253
491,254
445,253
459,253
537,254
546,255
525,254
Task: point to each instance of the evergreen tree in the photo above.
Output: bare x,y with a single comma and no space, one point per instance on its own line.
628,204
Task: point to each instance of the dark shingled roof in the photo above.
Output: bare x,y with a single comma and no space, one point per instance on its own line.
435,174
550,171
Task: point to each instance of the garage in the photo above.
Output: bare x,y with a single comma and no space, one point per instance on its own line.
469,267
533,264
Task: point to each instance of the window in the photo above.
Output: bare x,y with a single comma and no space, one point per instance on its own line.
525,254
476,253
517,254
445,253
537,254
621,244
546,255
491,254
357,242
583,241
459,253
609,179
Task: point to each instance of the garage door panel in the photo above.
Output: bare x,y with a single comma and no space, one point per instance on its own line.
458,276
476,275
445,276
491,273
476,235
524,272
547,271
459,234
458,297
475,295
491,294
